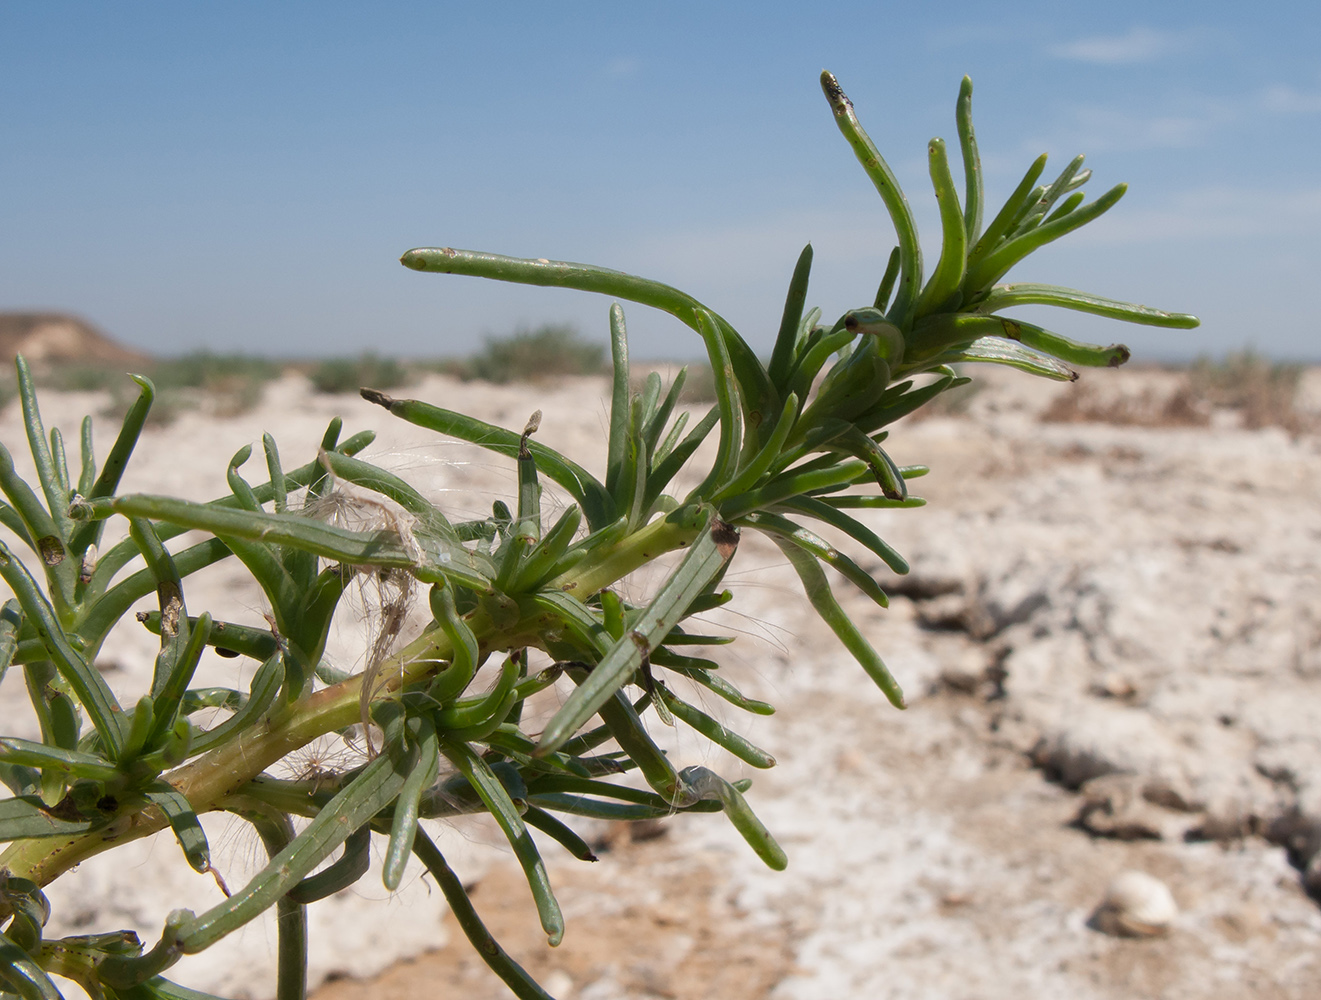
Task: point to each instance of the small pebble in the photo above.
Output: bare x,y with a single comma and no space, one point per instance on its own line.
558,983
1136,905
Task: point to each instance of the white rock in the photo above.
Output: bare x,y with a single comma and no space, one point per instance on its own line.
1136,905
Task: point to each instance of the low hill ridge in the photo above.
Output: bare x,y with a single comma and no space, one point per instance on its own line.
43,337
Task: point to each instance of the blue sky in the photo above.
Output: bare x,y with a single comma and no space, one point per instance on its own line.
244,176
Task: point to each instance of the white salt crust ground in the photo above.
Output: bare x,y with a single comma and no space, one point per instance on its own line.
1110,632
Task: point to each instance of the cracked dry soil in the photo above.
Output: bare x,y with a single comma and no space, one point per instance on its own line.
1111,646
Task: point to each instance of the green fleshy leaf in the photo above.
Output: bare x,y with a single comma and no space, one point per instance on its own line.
989,269
1000,226
26,817
591,494
506,814
707,554
786,341
87,684
944,288
403,827
715,683
972,165
717,733
621,400
710,786
823,601
729,401
859,532
1037,211
497,959
20,973
108,481
374,788
1023,294
782,527
761,397
910,251
343,872
183,821
995,350
559,832
431,559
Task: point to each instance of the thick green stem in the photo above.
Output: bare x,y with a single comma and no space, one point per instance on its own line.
209,779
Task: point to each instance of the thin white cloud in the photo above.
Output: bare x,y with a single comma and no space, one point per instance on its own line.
1186,123
1195,122
1212,213
1138,45
1102,130
1286,100
1105,129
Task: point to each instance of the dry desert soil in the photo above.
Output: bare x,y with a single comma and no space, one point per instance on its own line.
1111,647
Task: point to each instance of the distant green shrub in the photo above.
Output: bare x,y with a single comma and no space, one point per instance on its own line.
230,383
76,376
530,355
204,370
351,374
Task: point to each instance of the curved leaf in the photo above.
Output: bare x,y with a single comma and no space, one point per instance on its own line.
707,554
1026,294
910,251
818,592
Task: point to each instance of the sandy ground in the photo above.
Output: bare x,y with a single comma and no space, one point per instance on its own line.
1111,647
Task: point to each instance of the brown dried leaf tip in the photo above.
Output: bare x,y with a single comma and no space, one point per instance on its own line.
725,535
839,100
530,428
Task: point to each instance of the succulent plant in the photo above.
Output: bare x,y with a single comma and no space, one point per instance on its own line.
800,443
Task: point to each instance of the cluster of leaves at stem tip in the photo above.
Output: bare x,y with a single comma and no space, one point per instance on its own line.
799,444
